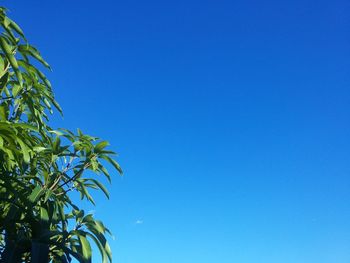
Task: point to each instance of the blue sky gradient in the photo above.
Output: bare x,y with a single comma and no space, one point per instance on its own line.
231,119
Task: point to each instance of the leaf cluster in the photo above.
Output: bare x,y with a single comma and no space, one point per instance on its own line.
40,166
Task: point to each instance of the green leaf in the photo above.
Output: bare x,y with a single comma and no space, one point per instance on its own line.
113,162
104,244
44,214
25,150
61,213
94,165
105,172
15,90
3,80
35,195
100,146
85,246
8,53
47,195
101,186
24,126
39,149
58,107
100,247
6,22
3,113
44,79
56,144
108,250
100,227
18,30
86,193
34,53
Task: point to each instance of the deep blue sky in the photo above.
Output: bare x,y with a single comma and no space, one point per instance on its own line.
231,118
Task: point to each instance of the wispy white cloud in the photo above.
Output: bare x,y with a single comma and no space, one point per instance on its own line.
138,222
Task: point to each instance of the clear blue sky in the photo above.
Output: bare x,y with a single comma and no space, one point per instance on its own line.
231,118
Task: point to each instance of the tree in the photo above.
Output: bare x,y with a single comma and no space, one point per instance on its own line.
40,166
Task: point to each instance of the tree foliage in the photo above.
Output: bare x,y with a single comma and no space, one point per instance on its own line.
40,166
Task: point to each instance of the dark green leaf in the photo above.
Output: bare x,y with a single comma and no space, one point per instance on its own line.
35,195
